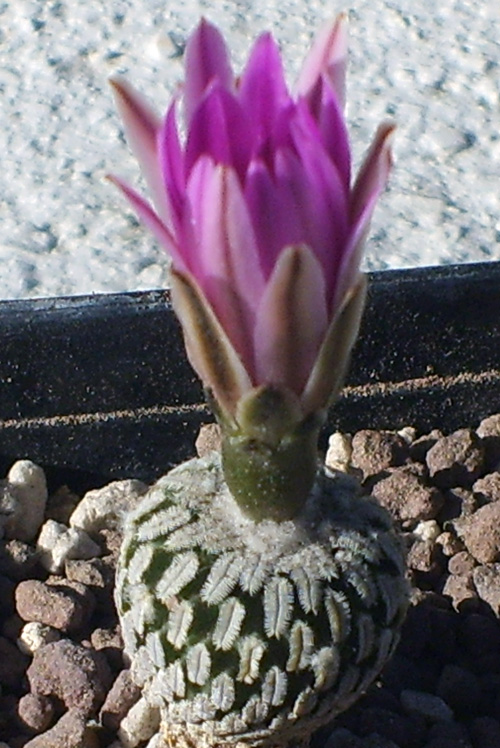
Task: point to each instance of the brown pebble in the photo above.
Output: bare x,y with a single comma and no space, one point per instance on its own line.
481,533
375,451
489,431
488,488
449,543
462,591
459,688
58,605
461,563
406,496
458,502
422,557
110,642
13,663
35,713
456,460
70,731
18,560
420,447
480,635
79,677
487,582
121,698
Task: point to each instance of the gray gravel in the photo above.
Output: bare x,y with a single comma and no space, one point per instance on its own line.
435,69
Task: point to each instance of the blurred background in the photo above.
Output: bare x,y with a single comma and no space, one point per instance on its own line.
434,68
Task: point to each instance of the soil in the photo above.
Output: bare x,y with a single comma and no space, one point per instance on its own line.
67,683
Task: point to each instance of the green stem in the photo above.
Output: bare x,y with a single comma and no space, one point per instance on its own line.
271,481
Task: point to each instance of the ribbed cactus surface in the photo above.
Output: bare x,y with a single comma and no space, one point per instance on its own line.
255,633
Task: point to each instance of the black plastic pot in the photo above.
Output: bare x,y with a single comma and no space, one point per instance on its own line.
98,387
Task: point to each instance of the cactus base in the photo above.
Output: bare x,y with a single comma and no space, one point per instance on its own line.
248,633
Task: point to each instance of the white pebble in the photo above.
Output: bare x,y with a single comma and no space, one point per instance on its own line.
427,530
141,723
107,506
23,500
35,635
58,544
338,456
408,433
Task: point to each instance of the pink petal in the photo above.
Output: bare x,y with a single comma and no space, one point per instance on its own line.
374,172
221,130
371,180
325,109
263,91
328,56
291,320
141,128
172,162
151,221
228,263
206,60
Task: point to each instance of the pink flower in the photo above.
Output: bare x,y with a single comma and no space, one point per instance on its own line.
256,208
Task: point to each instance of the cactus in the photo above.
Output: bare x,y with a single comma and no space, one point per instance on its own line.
256,633
259,595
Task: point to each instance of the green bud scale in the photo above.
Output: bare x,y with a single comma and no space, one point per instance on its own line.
247,633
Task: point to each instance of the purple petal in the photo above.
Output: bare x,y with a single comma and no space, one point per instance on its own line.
221,130
151,221
328,56
206,60
291,320
172,162
141,128
326,110
263,91
374,172
370,182
228,263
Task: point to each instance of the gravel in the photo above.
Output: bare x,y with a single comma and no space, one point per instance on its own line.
62,673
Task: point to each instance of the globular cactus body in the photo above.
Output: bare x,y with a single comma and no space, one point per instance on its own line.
250,633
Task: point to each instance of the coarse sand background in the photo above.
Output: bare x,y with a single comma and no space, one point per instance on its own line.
433,67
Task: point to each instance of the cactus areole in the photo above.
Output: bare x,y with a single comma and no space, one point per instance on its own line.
259,594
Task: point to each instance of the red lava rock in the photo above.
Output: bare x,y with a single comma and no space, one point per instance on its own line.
109,641
375,451
110,541
121,698
12,664
458,502
420,447
92,573
481,533
422,557
461,563
61,606
488,488
18,560
406,496
487,583
462,591
79,677
35,713
70,731
456,460
449,543
489,431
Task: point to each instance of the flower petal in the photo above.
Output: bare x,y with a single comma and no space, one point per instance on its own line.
263,91
171,161
206,60
330,366
141,128
328,56
228,262
291,320
209,350
151,221
374,172
221,130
